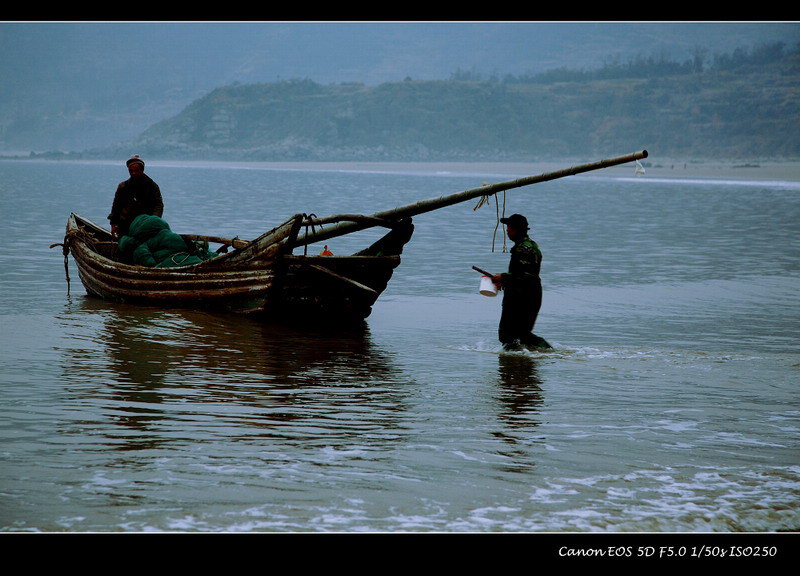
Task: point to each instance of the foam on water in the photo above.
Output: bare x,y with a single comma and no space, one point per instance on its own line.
655,500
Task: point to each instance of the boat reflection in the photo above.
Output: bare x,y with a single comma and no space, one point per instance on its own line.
151,371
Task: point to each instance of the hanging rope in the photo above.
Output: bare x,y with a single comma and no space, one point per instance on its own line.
65,252
499,216
85,236
309,221
485,200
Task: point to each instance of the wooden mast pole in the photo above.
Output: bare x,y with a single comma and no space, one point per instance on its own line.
350,224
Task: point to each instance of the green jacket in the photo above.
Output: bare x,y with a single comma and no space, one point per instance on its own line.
152,243
524,267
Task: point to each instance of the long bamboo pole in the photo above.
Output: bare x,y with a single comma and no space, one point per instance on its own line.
423,206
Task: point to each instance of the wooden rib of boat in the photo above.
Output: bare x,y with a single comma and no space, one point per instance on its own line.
264,276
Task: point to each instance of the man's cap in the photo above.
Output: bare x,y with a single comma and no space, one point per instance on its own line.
134,160
516,221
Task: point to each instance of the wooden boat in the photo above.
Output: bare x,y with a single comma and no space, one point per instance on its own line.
264,276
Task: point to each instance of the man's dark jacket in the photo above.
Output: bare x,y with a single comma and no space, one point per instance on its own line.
133,197
522,293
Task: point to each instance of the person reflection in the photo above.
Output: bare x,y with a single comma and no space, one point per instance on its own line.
520,388
519,405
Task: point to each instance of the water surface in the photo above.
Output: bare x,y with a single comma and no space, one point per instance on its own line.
670,403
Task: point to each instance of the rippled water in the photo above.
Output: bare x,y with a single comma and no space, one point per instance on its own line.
669,405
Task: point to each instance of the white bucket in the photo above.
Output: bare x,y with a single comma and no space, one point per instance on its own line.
487,286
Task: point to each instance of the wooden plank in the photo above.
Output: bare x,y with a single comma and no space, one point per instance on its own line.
345,279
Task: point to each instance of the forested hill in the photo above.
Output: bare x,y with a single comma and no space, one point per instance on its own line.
742,105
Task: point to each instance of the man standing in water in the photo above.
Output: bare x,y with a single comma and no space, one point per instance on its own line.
522,288
139,194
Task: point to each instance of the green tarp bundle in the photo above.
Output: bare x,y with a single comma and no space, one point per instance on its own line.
151,242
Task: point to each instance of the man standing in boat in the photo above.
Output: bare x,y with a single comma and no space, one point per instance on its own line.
137,195
522,288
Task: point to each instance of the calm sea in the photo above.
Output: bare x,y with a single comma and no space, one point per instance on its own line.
670,402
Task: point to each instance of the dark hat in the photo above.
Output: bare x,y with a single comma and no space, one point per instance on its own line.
134,159
516,221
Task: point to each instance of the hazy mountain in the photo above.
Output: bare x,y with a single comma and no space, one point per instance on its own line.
72,86
740,105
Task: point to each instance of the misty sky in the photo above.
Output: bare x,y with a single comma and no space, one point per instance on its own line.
76,84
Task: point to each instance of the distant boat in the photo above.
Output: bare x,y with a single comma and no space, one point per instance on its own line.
264,276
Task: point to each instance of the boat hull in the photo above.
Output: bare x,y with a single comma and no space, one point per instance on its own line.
261,277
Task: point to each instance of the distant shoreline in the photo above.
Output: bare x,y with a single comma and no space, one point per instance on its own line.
778,170
713,169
